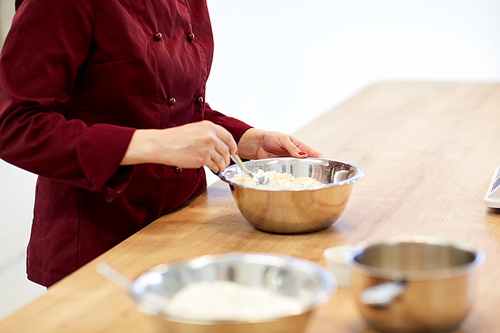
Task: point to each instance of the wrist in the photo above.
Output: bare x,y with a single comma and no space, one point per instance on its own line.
141,148
249,143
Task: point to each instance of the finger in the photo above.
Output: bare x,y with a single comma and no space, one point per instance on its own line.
227,138
305,150
220,160
225,146
311,152
213,167
220,153
215,161
292,148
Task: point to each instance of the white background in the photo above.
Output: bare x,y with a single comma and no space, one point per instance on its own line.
279,64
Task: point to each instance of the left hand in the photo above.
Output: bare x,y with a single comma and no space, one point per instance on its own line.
258,144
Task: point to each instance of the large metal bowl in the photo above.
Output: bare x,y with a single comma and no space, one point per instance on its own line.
295,209
284,275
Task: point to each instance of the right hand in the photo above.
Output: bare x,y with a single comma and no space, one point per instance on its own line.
191,146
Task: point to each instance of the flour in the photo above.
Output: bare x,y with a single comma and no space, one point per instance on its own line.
277,179
226,300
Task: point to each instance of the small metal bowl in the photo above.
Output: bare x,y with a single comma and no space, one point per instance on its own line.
290,210
301,279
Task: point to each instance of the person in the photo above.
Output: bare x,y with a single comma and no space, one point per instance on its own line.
105,102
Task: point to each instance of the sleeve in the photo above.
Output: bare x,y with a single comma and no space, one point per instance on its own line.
234,126
46,45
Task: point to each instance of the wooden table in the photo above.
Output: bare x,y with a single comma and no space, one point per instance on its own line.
429,151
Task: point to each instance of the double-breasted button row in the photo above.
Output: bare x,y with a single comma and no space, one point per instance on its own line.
157,36
171,100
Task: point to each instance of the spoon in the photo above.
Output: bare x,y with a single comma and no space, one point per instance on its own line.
151,301
263,180
112,275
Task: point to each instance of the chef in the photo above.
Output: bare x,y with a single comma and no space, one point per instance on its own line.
105,101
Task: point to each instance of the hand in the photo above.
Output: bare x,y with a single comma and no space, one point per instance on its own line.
189,146
258,144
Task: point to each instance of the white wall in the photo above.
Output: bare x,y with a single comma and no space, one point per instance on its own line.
295,60
279,64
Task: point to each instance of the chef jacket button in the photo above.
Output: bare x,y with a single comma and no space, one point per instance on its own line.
157,36
171,101
199,99
177,170
190,36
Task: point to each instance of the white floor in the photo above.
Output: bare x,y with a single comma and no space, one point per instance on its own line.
280,64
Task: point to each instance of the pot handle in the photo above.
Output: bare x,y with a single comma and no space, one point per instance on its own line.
381,295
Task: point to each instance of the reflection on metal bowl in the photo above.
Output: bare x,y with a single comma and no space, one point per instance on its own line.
299,279
291,210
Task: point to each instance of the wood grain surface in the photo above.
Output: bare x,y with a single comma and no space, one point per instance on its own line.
429,151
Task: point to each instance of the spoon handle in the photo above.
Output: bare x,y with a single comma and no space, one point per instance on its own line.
113,275
236,159
151,301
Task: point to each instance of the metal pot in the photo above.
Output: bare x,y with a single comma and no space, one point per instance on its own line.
417,284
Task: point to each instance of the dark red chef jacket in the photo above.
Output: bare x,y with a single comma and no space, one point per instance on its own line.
77,77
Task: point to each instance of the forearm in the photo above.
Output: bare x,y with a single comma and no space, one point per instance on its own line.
141,148
189,146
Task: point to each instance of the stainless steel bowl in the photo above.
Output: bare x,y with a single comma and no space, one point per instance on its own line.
295,209
284,275
414,284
